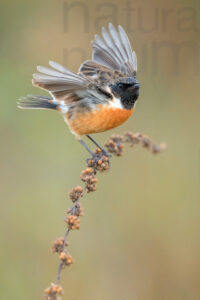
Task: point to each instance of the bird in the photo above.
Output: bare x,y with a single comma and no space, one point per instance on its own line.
100,96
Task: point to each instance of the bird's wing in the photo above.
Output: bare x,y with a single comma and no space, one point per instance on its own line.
67,87
100,74
114,51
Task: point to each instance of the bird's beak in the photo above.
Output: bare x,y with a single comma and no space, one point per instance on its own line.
136,86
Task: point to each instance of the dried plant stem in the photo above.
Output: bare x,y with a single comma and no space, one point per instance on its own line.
65,238
99,162
60,265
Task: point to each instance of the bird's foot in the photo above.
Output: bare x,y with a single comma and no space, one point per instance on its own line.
100,160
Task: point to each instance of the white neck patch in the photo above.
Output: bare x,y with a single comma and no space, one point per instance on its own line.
116,103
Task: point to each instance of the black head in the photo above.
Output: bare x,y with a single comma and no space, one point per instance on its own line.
127,89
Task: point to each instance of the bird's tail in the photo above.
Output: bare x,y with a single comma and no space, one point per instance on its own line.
36,102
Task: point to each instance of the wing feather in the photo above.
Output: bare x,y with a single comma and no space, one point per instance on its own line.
113,50
101,74
66,86
105,57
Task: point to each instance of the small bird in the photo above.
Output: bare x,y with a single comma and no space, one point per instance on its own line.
101,96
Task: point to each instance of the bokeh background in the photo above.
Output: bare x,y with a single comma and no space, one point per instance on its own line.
139,239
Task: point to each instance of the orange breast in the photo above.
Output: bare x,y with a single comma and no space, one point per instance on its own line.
100,120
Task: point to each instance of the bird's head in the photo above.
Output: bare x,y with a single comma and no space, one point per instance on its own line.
127,89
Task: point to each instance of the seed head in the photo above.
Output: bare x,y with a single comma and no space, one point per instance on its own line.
145,141
159,148
58,245
115,145
87,176
73,222
133,138
53,292
99,162
66,259
76,193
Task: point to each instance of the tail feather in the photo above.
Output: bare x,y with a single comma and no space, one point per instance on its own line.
36,102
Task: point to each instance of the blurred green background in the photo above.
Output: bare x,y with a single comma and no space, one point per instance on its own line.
139,239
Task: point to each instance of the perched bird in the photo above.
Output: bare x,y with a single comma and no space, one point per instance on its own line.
101,96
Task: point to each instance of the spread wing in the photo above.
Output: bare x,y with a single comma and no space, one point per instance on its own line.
113,50
100,74
67,87
112,58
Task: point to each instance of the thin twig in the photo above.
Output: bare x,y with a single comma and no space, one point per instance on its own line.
99,162
65,238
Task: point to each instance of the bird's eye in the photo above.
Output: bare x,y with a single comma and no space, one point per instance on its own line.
120,85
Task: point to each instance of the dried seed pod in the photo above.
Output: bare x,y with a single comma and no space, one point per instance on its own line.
88,177
53,292
159,148
132,138
100,162
115,145
73,222
58,245
76,193
66,259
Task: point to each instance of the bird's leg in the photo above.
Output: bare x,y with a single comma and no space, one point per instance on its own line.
102,149
100,160
86,147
